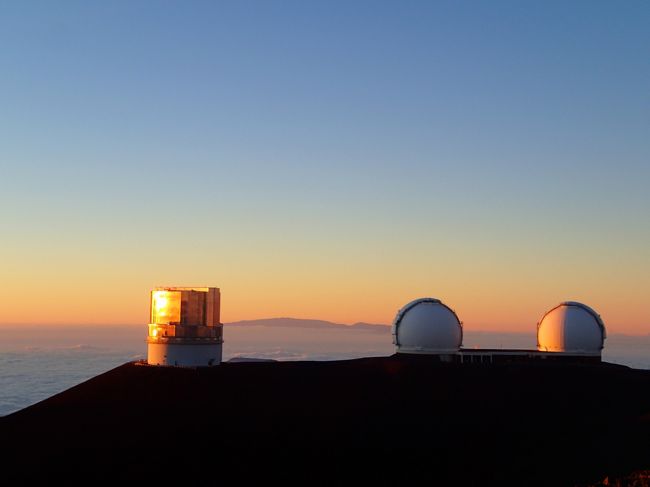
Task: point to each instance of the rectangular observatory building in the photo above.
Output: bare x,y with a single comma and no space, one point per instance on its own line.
185,327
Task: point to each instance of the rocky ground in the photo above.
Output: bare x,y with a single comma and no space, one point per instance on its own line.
373,420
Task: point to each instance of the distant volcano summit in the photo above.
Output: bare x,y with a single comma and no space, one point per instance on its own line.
303,323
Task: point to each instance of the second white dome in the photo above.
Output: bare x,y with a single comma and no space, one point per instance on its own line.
427,326
571,327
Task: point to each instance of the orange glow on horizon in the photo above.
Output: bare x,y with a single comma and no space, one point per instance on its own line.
488,295
481,312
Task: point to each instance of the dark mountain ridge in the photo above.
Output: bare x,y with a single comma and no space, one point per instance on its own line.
373,420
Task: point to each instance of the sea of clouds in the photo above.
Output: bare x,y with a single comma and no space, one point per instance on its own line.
36,363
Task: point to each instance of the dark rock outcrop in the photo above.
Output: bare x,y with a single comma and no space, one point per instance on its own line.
374,420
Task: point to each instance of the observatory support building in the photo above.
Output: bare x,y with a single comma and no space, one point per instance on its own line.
185,327
569,332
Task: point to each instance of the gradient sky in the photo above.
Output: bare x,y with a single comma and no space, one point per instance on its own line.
328,160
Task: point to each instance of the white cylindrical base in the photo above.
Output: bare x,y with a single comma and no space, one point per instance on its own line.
184,354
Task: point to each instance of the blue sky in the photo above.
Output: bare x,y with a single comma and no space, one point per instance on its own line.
474,130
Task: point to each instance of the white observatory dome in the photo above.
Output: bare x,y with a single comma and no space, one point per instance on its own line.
573,328
427,326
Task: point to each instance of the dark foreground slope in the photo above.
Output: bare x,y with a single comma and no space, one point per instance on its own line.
376,420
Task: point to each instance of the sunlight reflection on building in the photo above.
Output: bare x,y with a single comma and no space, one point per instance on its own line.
185,327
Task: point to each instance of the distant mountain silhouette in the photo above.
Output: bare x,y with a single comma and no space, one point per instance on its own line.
302,323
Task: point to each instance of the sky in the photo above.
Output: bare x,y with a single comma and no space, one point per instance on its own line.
325,159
